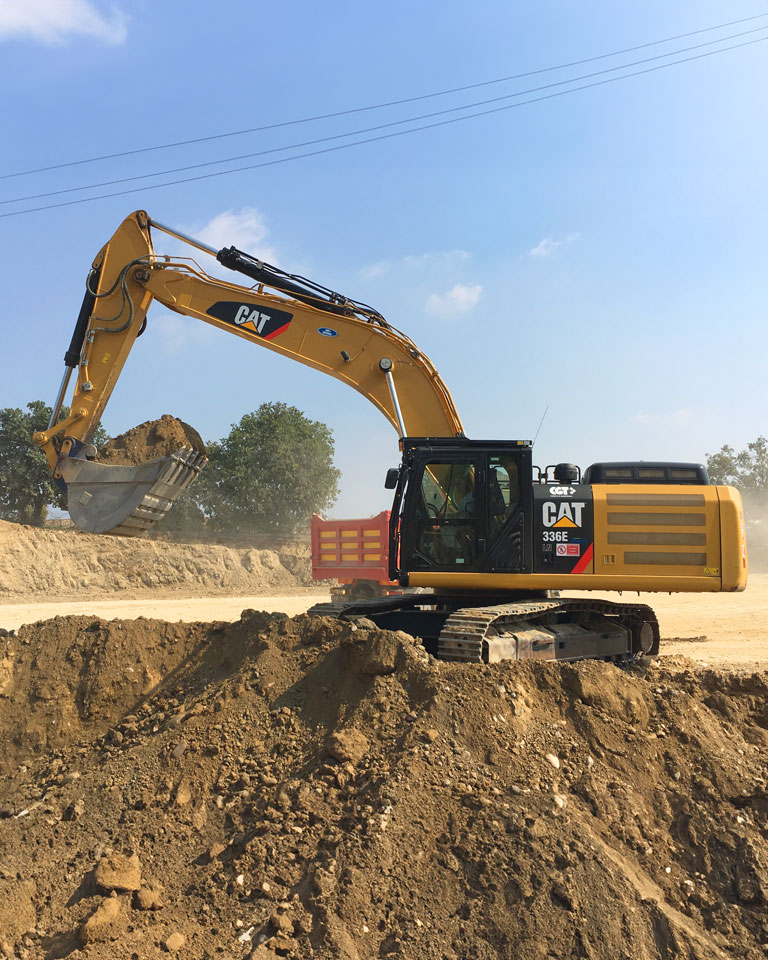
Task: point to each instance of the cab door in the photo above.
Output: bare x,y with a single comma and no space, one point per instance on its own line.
507,509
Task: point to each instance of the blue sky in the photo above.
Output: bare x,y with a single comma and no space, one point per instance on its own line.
601,255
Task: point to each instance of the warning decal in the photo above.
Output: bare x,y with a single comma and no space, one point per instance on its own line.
568,549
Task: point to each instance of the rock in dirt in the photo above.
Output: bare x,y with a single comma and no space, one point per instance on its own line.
183,794
379,656
175,942
117,872
74,810
281,923
348,745
149,897
101,923
155,438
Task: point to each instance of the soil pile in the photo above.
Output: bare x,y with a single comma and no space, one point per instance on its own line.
65,565
306,788
155,438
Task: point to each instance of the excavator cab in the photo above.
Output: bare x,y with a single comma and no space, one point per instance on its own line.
461,507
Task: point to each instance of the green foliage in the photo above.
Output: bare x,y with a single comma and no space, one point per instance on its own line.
747,470
27,487
273,470
26,484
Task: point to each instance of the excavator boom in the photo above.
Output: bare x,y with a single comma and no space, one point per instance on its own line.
287,314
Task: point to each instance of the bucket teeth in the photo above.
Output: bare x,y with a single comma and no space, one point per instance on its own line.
127,501
183,467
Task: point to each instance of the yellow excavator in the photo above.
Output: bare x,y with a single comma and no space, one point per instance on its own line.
490,538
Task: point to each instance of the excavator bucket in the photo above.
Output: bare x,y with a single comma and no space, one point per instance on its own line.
127,501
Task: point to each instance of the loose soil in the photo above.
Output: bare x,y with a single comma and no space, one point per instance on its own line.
155,438
304,788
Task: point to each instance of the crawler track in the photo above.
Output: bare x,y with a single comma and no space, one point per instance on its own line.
542,629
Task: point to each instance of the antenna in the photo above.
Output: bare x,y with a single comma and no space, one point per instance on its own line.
546,409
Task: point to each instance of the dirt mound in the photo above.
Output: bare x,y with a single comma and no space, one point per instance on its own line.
305,788
155,438
65,565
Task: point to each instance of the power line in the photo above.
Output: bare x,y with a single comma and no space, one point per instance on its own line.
382,126
379,106
385,136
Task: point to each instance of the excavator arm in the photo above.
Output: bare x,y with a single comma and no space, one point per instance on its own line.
282,312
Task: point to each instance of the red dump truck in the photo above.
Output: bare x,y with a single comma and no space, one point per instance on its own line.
354,552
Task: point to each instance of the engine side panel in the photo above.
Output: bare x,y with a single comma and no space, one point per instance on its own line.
656,530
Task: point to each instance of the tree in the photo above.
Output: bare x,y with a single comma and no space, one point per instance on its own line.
747,470
27,487
273,470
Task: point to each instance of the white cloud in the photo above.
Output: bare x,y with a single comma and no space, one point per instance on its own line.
437,258
460,299
177,334
55,21
548,246
375,270
245,229
669,418
429,262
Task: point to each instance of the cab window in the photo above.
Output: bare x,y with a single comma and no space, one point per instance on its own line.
446,513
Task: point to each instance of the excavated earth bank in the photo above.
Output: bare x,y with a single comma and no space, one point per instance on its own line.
68,564
65,565
310,789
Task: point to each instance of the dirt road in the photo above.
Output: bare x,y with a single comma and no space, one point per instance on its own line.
186,609
716,628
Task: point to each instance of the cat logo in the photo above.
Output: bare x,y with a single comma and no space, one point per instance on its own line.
249,317
264,322
562,515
